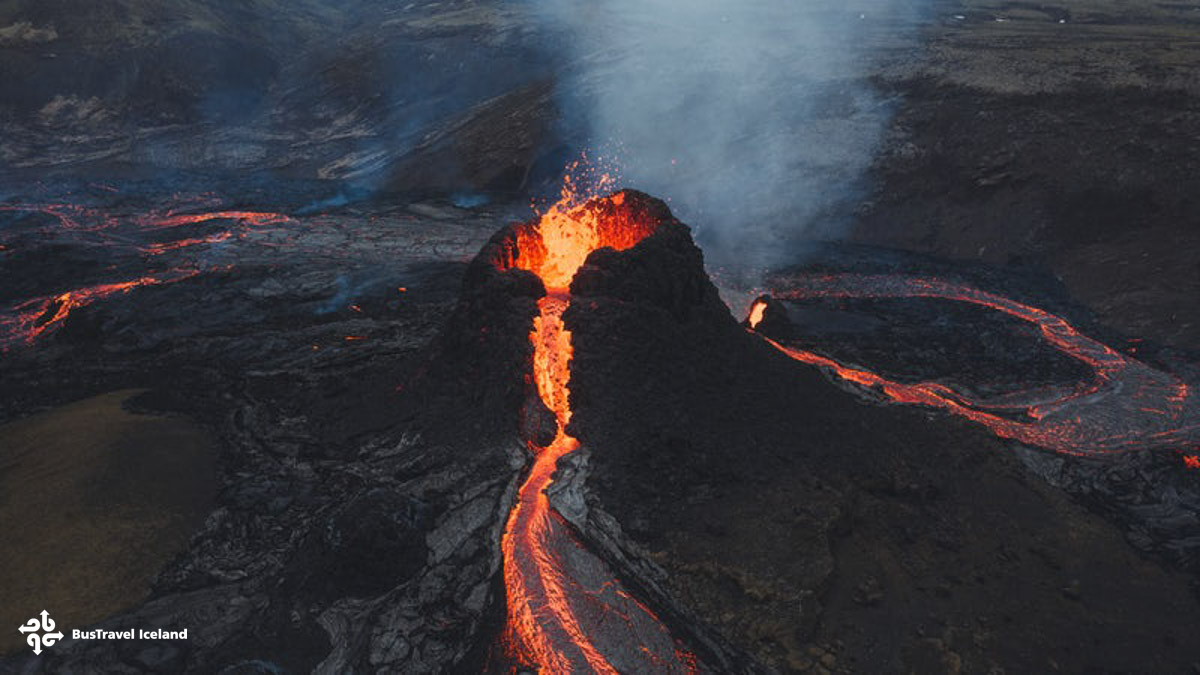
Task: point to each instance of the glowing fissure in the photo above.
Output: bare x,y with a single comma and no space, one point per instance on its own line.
90,219
256,218
560,618
1127,406
34,318
28,320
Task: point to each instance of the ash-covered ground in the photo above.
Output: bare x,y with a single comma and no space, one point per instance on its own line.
255,382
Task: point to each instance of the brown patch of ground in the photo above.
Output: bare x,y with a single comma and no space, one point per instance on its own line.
94,500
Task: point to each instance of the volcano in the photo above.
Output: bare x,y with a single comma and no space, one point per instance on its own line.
587,463
887,361
562,602
623,286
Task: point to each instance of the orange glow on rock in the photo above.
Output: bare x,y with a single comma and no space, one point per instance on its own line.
556,246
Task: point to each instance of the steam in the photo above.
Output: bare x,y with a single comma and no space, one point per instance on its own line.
753,118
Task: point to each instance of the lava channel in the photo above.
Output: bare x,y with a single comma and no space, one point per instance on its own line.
1127,406
567,612
34,318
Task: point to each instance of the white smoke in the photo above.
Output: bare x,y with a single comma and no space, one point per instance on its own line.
752,117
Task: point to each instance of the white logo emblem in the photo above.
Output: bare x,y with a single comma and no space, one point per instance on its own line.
36,629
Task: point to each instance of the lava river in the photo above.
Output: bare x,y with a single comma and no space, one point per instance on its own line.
1127,405
566,610
29,319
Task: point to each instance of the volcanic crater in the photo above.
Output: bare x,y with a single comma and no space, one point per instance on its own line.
590,464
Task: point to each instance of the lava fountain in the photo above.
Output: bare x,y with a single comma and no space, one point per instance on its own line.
566,610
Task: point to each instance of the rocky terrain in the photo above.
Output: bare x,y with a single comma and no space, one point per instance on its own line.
305,399
925,541
297,192
1059,136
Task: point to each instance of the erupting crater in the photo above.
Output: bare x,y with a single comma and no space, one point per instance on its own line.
567,612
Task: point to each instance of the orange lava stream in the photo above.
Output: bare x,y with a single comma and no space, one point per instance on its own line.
69,216
545,626
1128,406
540,613
31,319
251,218
159,249
40,316
257,218
90,219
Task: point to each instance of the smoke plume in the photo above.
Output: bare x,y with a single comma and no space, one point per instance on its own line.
752,117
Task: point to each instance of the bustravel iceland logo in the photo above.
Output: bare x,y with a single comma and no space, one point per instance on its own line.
41,633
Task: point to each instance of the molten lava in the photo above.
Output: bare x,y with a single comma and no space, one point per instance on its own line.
256,218
27,320
1127,406
40,316
756,313
566,612
160,248
569,231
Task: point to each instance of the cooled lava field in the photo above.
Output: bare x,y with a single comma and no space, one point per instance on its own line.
624,337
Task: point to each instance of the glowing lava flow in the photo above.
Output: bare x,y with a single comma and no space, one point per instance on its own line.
28,320
1128,406
69,216
566,611
173,220
91,219
94,224
34,318
256,218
